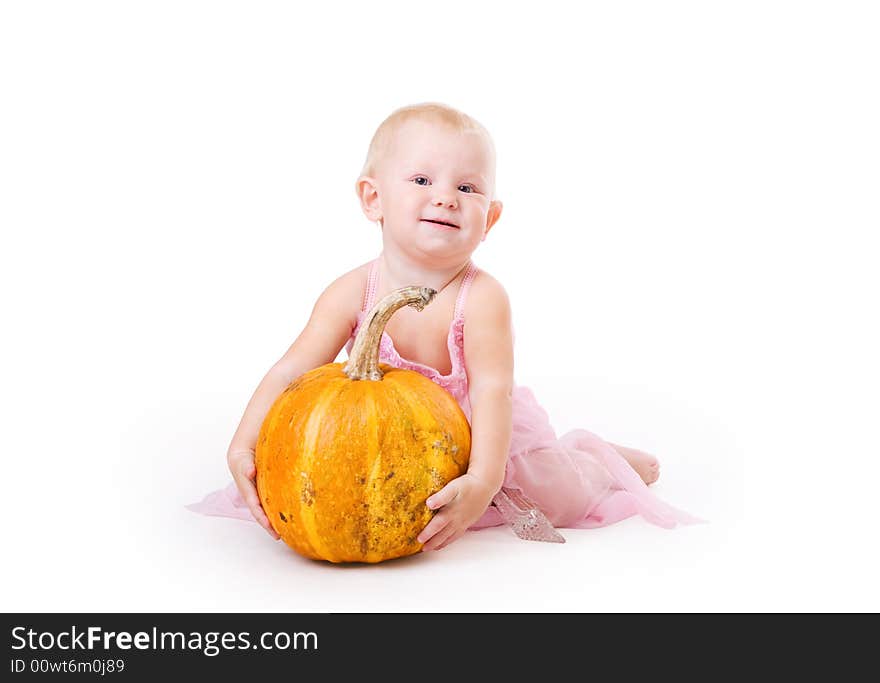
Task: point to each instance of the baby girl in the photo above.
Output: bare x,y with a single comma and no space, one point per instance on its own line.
429,182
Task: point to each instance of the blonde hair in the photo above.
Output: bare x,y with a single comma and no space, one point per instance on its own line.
430,111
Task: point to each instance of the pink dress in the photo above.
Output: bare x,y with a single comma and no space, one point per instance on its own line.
577,481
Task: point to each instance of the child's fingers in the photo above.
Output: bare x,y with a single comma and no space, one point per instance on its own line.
452,539
253,503
440,538
263,521
244,471
443,497
434,526
249,493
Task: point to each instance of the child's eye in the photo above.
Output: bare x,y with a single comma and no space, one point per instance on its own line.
418,180
467,188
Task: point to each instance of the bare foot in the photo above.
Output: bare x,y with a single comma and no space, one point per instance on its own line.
645,464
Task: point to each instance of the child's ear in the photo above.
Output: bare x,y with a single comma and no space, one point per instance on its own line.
492,217
368,194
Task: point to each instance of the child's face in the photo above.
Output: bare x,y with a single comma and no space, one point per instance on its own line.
433,172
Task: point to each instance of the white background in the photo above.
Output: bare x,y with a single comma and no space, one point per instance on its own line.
688,241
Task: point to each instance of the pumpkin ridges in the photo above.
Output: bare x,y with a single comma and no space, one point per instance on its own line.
399,510
420,428
446,437
311,492
450,443
339,515
372,463
441,409
280,451
375,453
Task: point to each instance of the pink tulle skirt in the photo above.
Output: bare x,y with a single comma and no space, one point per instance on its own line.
578,480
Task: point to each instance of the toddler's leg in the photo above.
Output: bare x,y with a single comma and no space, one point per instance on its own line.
644,463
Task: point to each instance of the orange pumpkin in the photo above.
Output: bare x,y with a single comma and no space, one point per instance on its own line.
348,454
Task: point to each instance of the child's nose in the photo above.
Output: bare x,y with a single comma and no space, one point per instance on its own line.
446,200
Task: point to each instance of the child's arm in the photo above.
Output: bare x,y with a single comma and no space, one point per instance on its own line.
326,332
488,348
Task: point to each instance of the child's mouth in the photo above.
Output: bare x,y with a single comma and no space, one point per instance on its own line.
442,224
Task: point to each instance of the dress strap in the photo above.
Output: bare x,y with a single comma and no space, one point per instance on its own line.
463,290
370,291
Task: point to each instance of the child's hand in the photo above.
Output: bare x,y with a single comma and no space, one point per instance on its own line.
244,472
463,501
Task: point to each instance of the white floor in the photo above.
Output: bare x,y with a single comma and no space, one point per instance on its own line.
119,539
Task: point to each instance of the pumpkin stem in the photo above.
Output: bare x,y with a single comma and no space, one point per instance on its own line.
363,363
